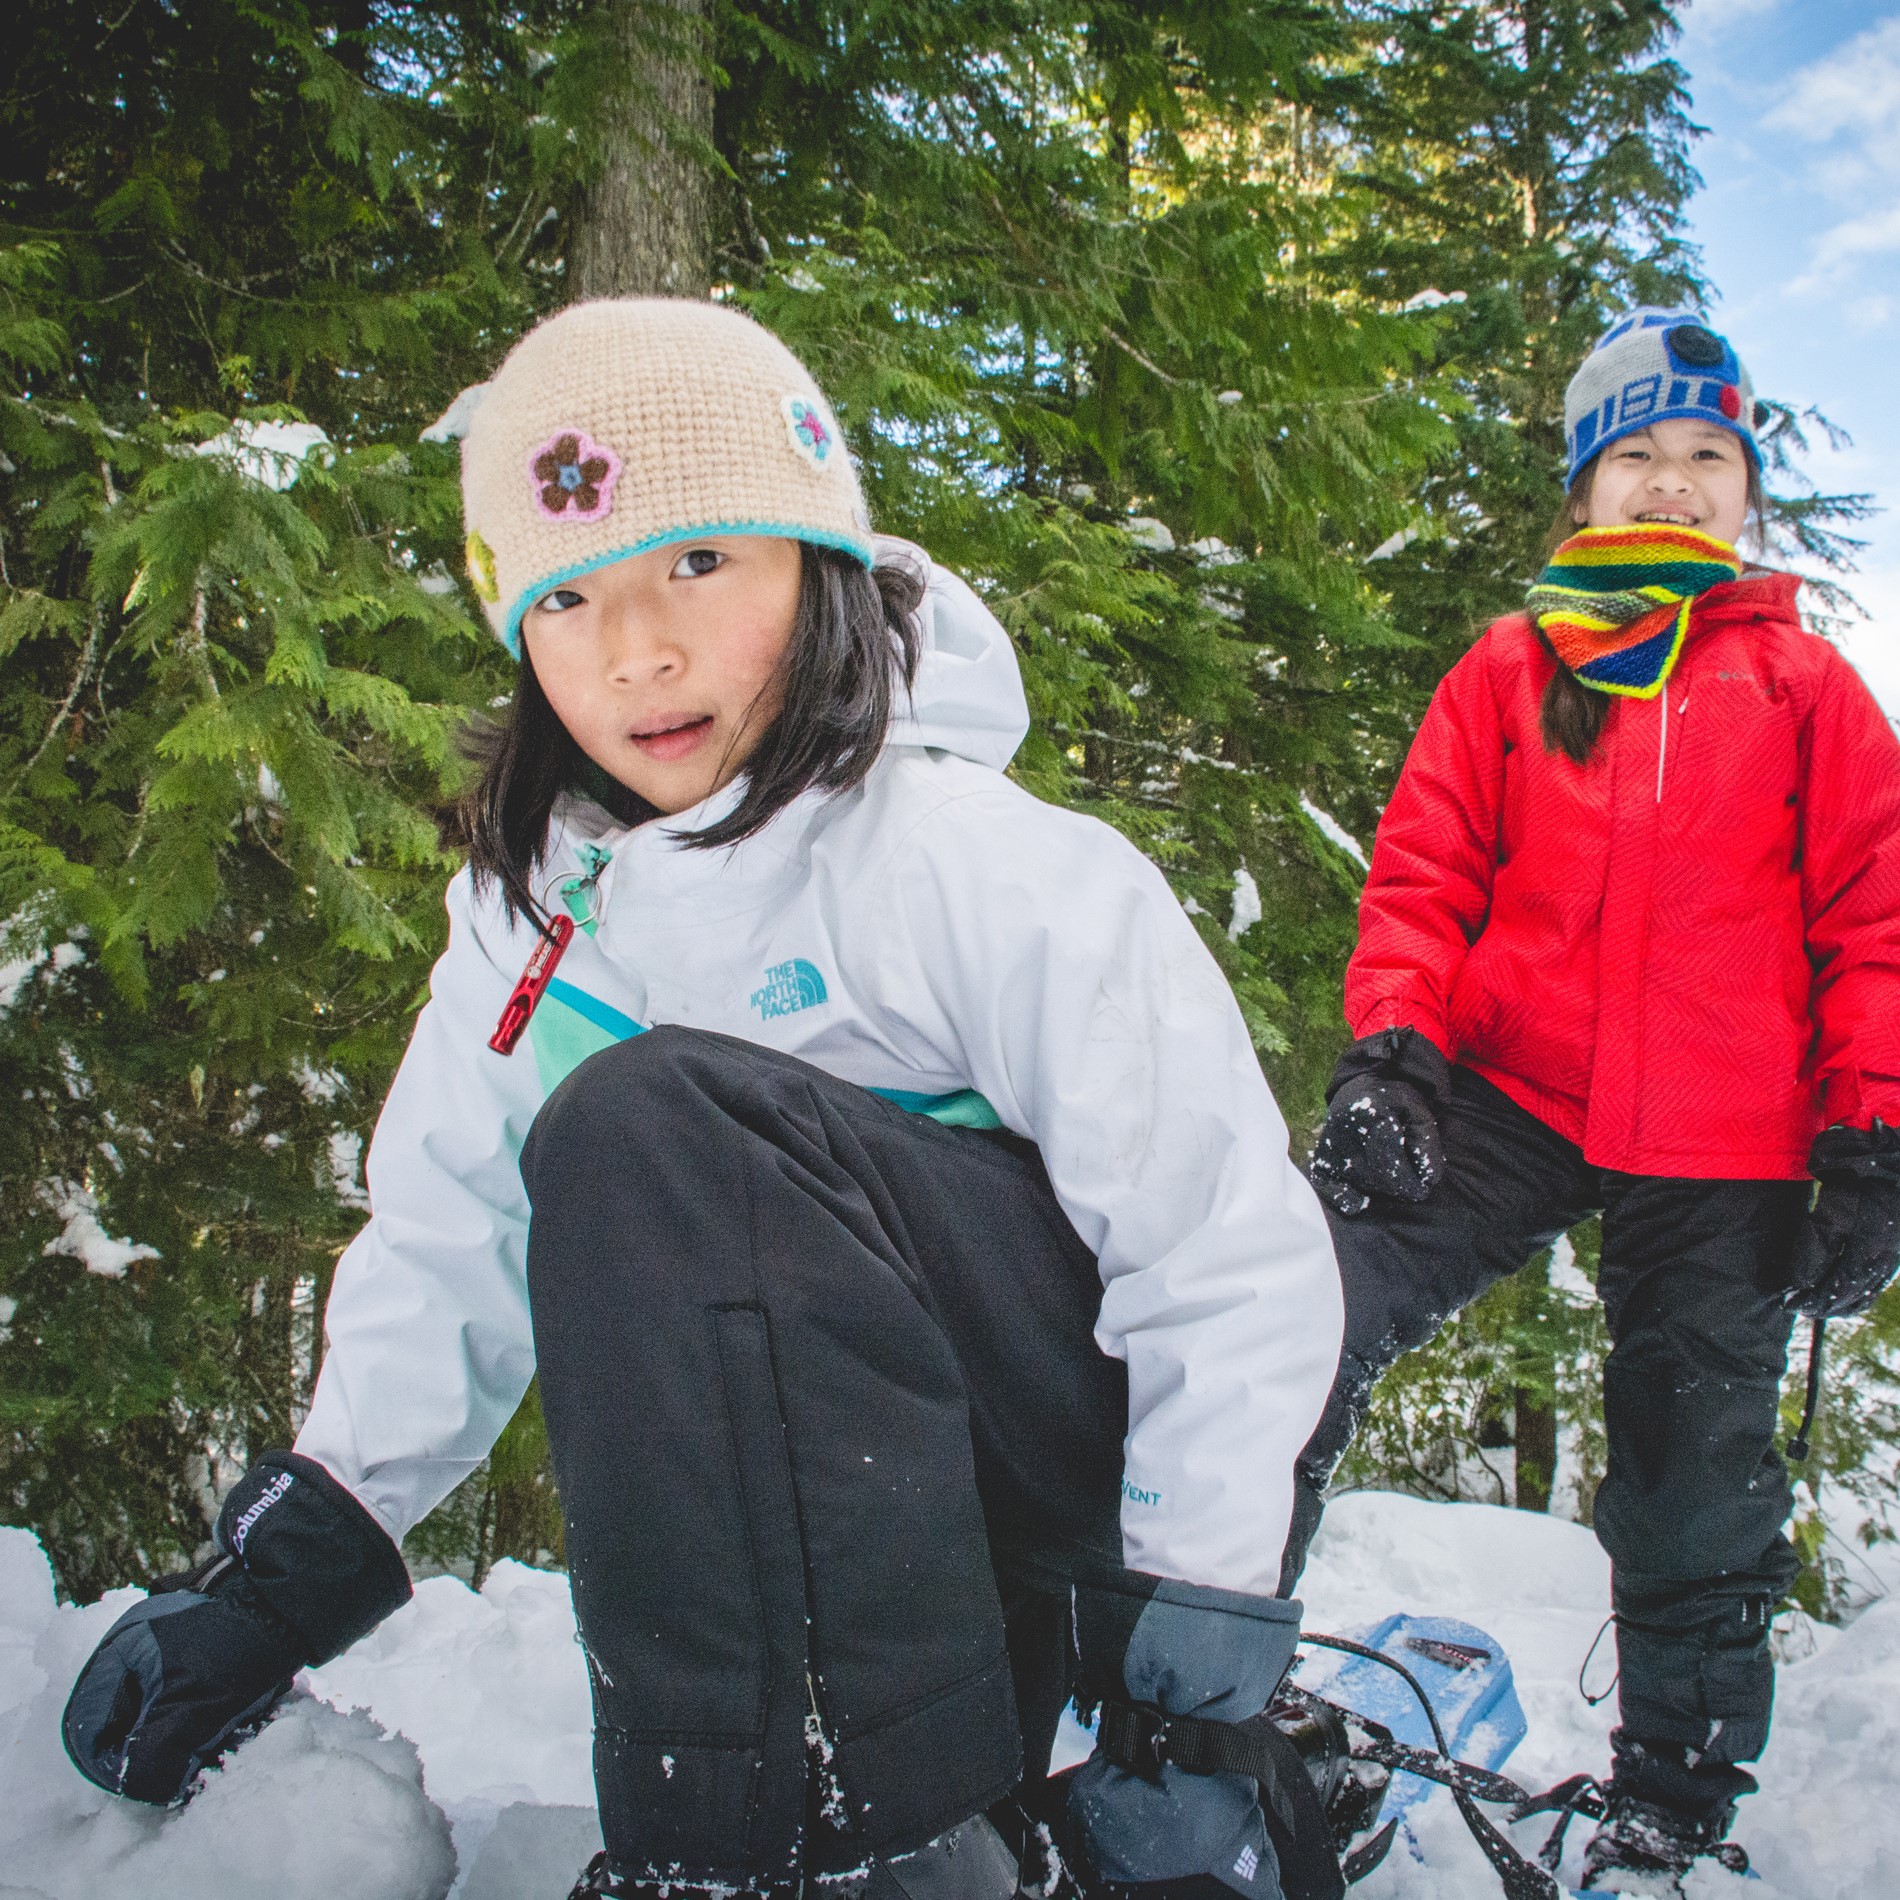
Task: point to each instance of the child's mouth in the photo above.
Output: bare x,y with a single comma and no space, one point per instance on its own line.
666,743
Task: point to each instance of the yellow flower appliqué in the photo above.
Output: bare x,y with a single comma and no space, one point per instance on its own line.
481,568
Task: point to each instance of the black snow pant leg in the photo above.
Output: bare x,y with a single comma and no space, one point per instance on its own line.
1695,1495
1510,1187
811,1366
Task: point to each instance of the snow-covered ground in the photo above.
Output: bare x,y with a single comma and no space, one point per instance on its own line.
481,1759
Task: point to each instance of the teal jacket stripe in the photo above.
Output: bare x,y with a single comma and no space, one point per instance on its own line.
604,1015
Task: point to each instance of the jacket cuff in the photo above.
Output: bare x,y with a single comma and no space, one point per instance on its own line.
1187,1648
1856,1154
315,1555
1397,1055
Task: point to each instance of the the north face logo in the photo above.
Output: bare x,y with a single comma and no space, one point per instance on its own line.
789,986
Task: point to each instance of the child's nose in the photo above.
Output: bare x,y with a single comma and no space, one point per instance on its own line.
640,653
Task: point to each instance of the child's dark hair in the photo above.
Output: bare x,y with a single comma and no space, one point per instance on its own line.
1573,715
854,638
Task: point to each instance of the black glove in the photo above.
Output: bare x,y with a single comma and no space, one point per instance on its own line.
1166,1833
1849,1246
181,1677
1381,1133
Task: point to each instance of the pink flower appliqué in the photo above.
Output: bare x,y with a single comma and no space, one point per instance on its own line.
573,476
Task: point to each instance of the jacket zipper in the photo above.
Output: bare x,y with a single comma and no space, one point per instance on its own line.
1662,748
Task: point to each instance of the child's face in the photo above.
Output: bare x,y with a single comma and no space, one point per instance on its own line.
1689,474
665,666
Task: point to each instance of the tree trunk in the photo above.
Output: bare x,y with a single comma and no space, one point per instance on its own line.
1534,1421
642,223
1536,1440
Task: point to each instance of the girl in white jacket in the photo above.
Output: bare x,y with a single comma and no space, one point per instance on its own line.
871,1160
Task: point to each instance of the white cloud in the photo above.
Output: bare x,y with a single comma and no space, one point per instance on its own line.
1865,314
1837,251
1856,85
1849,102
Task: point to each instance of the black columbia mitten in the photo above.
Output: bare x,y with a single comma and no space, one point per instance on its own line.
1849,1246
1381,1133
179,1678
1150,1828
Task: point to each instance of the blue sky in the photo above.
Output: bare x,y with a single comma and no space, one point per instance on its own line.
1799,223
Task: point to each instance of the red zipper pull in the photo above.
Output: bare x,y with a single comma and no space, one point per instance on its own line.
531,985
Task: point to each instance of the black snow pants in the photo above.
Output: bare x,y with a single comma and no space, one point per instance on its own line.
832,1437
1694,1498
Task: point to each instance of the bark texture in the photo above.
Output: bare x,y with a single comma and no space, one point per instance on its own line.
643,222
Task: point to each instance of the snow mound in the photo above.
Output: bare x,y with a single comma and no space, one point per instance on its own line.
321,1803
487,1695
491,1688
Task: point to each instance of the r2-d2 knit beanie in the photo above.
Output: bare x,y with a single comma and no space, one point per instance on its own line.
1651,365
631,423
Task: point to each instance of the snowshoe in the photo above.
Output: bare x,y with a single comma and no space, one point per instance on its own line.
1464,1702
1644,1849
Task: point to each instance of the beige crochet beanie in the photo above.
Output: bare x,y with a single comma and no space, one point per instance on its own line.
626,424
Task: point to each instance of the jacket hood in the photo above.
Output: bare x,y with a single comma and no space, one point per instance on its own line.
1761,590
968,697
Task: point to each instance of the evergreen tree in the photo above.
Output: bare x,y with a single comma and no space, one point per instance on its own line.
1121,303
1045,256
238,279
1053,266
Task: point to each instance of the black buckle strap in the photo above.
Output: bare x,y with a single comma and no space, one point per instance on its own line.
1142,1739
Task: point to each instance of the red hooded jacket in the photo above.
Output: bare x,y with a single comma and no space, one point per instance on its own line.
1683,956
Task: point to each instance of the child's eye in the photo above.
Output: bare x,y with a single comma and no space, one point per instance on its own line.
697,561
560,601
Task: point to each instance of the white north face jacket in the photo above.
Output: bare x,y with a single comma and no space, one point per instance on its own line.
946,939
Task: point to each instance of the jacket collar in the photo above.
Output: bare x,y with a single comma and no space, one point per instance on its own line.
1761,594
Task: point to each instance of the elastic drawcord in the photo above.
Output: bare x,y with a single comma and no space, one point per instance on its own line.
1799,1444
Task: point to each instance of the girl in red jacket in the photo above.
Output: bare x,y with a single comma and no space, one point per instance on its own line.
1630,944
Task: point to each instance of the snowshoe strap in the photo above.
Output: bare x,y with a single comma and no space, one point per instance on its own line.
1578,1795
1481,1783
1141,1739
1520,1879
1368,1854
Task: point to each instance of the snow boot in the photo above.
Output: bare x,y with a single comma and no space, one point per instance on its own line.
966,1862
1641,1848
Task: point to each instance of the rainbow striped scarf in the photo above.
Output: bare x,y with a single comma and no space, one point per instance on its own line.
1614,602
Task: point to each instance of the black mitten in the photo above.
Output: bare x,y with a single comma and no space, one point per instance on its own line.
181,1677
1849,1246
1381,1133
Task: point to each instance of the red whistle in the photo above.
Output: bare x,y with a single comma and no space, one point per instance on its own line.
531,985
